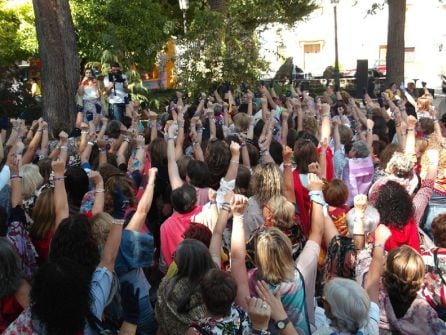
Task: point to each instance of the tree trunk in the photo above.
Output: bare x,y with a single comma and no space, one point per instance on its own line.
60,62
395,41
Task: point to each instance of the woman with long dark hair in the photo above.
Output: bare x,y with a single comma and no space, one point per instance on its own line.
179,298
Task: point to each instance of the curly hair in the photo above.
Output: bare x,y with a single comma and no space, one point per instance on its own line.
394,205
400,165
217,157
387,154
60,297
10,272
266,182
404,274
74,240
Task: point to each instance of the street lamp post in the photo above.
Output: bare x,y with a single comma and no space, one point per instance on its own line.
184,5
336,70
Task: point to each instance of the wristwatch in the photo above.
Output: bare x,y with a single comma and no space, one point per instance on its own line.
281,324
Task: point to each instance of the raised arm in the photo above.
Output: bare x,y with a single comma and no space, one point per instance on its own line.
111,247
284,129
34,144
360,202
60,194
63,154
99,191
424,194
271,102
369,137
140,154
172,167
212,127
265,141
44,142
219,228
139,218
288,181
238,251
14,162
231,174
382,233
315,185
85,155
180,136
410,138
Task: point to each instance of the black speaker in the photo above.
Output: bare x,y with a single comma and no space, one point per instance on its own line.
362,69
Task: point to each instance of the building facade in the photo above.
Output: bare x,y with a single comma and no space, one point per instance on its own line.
361,36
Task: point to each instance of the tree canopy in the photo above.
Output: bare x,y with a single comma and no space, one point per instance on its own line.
220,43
17,33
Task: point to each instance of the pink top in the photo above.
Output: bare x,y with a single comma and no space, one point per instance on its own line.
172,231
202,196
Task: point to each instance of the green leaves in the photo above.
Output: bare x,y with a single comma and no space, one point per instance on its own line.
133,30
17,33
223,45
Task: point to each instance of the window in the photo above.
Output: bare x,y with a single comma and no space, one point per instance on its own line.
312,54
312,48
409,54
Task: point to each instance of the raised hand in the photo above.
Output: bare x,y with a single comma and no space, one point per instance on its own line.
238,204
235,148
287,152
382,234
95,177
314,182
58,167
314,168
63,137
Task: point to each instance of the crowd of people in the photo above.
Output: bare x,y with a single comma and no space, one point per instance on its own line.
267,214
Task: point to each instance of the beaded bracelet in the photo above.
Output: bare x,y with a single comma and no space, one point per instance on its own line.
379,245
235,162
99,190
58,179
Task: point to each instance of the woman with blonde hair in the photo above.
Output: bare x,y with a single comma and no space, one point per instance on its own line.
31,179
279,213
293,281
402,309
266,182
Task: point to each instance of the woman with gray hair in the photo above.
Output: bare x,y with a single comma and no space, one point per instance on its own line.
350,309
399,169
